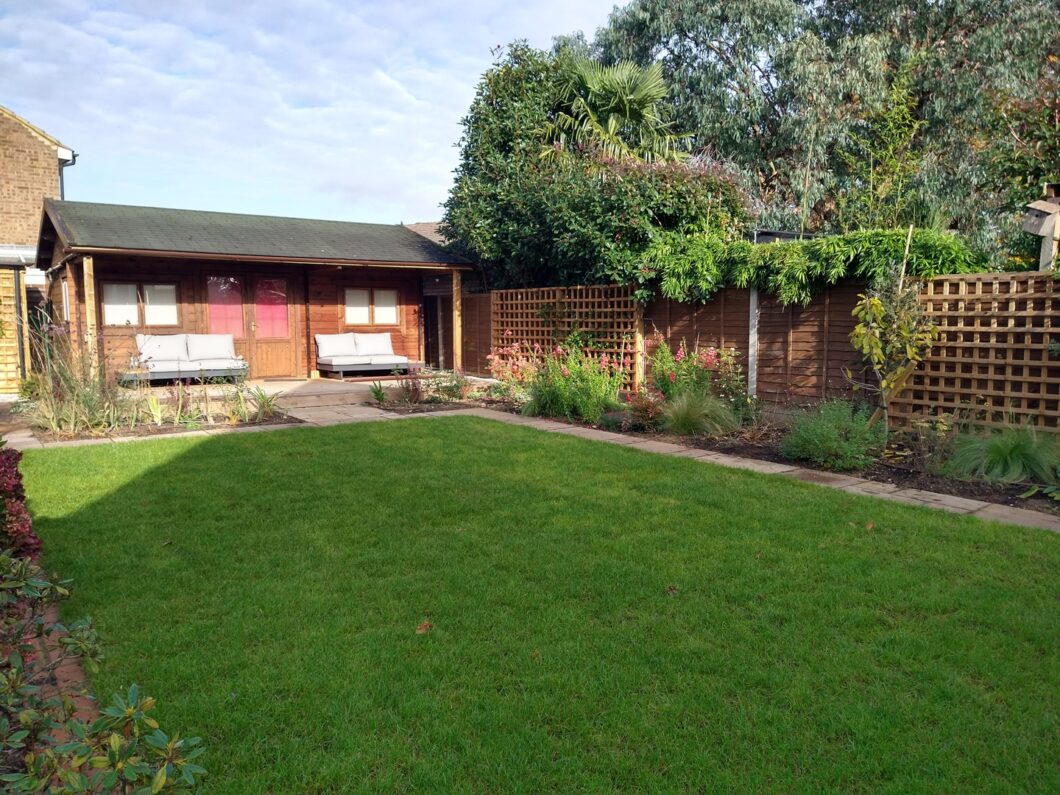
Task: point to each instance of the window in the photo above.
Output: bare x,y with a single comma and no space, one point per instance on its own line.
122,301
224,303
66,301
270,308
120,305
358,306
371,307
160,304
384,307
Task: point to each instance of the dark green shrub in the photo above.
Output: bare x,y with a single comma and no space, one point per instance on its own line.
1009,455
836,435
575,386
698,414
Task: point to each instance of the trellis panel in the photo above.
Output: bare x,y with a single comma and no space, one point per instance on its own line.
991,364
546,316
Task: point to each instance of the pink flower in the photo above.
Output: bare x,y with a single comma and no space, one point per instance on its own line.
563,369
680,354
673,377
507,332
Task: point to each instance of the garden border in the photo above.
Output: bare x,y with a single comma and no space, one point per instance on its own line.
319,416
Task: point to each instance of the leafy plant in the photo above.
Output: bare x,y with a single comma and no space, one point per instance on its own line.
378,393
645,411
449,387
410,390
266,406
574,385
44,746
893,333
836,435
695,413
1015,454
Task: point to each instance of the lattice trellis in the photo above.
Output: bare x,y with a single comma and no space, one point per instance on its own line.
546,316
991,363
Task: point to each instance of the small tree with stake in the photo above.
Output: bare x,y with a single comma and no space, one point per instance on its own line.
893,333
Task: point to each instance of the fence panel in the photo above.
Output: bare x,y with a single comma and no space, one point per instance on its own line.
476,325
723,322
546,316
992,363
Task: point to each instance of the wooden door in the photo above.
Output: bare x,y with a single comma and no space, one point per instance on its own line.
271,340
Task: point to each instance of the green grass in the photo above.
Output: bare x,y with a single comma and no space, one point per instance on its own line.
604,619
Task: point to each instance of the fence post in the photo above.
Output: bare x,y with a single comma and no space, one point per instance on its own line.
752,344
638,346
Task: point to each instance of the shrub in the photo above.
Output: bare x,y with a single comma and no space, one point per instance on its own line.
16,530
687,370
575,385
697,413
1008,455
645,411
836,435
44,747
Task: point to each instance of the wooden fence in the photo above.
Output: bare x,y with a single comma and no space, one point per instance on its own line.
476,332
992,363
547,316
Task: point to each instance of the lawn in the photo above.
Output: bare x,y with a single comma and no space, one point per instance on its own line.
602,619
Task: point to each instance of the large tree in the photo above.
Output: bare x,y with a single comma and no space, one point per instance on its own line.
780,87
585,217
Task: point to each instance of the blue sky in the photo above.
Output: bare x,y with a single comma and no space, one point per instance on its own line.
315,108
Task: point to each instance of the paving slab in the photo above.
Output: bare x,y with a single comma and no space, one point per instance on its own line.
871,488
1018,516
694,452
749,464
946,502
833,479
651,446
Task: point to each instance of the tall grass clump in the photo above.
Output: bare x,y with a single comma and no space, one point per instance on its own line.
1014,454
699,414
70,394
837,435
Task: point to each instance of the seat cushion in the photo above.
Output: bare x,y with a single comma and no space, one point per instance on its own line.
373,344
162,347
336,345
335,361
202,365
165,365
211,346
388,360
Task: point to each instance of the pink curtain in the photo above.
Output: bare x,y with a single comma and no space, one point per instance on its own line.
270,308
224,296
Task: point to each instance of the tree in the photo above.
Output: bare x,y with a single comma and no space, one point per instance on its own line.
617,111
582,218
779,86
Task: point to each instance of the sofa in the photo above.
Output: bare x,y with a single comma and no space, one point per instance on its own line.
353,352
172,356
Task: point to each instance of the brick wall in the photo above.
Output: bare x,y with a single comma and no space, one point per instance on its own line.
29,172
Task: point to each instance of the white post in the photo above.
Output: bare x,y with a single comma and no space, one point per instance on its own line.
752,345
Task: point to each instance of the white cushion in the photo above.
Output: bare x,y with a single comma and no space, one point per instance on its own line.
374,344
162,347
211,346
349,360
336,345
390,360
165,365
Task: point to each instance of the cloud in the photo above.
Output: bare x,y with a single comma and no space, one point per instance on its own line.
316,108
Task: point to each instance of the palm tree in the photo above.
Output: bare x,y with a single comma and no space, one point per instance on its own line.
617,111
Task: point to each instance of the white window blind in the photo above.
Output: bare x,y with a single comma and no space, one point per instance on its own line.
357,308
160,304
119,305
385,307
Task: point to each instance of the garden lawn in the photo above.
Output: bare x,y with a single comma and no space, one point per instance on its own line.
601,618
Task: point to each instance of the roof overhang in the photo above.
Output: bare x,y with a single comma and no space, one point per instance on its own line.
266,259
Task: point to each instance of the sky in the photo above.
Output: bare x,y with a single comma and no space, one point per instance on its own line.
309,108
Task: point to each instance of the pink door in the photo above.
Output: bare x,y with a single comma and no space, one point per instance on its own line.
257,312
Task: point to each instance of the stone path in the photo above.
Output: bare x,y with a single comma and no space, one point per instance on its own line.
329,411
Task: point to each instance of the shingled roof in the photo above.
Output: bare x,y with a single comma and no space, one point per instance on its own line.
87,226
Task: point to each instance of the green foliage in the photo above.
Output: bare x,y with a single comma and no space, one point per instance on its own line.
582,219
684,371
893,333
782,88
574,385
694,268
378,393
616,111
693,413
881,162
645,411
44,747
836,435
1010,455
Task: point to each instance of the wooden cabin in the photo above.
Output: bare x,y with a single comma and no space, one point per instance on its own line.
114,271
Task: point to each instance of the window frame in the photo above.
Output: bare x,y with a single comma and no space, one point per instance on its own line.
65,297
141,303
397,324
